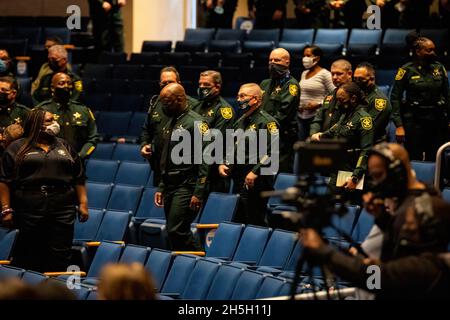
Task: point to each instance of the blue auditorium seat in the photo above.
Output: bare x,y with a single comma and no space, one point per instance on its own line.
248,285
270,287
98,71
264,35
223,284
251,245
225,240
344,223
424,171
446,194
128,152
199,34
144,58
156,46
190,46
32,34
258,46
128,71
363,226
98,101
385,77
209,59
15,47
124,198
103,151
133,253
363,41
200,280
278,249
175,58
88,230
282,182
104,171
98,194
132,173
126,102
179,274
7,241
300,36
230,34
62,33
158,264
113,226
331,41
7,272
147,208
224,46
113,124
115,58
33,278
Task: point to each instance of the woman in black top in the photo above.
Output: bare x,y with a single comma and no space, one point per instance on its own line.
42,180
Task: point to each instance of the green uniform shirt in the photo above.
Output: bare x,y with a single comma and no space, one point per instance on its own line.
77,125
327,115
217,113
280,100
174,174
16,113
357,128
380,109
258,120
425,89
44,91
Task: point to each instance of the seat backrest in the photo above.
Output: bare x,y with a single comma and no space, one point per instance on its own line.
103,151
395,36
365,36
136,123
219,207
158,264
88,229
33,34
252,244
147,206
270,287
385,77
230,34
331,36
156,46
125,198
33,278
62,33
200,280
126,102
113,123
104,171
278,249
179,274
98,71
282,182
7,241
225,240
199,34
133,253
247,286
113,226
7,272
446,194
363,226
133,173
344,223
424,171
107,252
264,35
98,194
129,152
298,36
224,282
295,255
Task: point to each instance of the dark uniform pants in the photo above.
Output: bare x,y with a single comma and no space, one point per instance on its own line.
252,207
179,217
46,224
424,135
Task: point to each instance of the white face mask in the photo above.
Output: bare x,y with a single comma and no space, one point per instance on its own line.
53,129
308,62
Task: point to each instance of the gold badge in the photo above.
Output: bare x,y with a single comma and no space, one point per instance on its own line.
76,115
436,72
18,120
226,112
252,127
400,73
210,112
62,152
202,180
272,127
78,85
276,91
56,116
293,90
366,123
203,127
380,104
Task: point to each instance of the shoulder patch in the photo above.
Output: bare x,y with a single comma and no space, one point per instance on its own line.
380,104
226,112
203,127
400,73
293,90
272,127
366,123
78,85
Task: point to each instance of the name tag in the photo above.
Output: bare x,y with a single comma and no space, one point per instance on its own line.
415,77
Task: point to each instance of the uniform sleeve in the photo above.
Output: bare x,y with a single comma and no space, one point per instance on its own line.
93,137
366,142
399,87
7,167
77,87
445,93
273,139
203,168
290,100
224,119
78,171
316,124
147,128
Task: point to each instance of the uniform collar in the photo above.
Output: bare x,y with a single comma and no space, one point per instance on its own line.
208,103
281,81
60,106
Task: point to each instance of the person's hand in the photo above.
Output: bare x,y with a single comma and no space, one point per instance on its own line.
223,170
336,4
310,239
381,3
122,3
121,140
349,185
195,204
374,206
209,4
158,199
316,136
250,179
277,15
7,218
146,151
312,105
400,134
106,6
83,212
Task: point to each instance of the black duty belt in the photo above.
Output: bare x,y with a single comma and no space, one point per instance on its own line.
177,177
45,188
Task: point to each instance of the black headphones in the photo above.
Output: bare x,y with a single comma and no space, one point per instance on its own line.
395,168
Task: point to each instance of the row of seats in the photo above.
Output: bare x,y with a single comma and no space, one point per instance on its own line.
118,151
119,172
128,125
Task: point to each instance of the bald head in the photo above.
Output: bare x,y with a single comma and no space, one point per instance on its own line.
280,56
252,93
173,98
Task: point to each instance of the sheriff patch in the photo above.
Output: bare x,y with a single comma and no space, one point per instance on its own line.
400,73
436,72
272,127
78,85
380,104
293,90
226,112
366,123
203,127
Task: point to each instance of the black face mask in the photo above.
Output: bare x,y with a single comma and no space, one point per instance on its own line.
4,101
204,93
395,185
277,71
54,66
363,84
63,94
429,59
168,111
